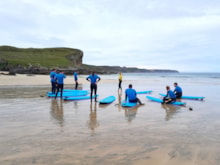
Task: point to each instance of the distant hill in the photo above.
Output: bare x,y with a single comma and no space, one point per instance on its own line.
46,57
41,61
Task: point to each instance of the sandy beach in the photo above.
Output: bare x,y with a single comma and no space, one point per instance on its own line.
23,79
39,130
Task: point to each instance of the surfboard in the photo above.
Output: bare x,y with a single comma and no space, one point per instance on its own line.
144,92
107,100
128,104
188,97
74,90
160,100
78,97
66,94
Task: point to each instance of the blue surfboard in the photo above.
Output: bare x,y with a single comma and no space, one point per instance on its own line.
128,104
71,90
107,100
160,100
144,92
69,93
78,97
74,90
188,97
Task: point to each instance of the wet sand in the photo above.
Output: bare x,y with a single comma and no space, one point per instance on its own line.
40,130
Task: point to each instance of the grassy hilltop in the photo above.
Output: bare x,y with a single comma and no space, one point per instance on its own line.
41,61
45,57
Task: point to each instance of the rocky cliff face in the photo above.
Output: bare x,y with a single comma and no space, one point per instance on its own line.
76,59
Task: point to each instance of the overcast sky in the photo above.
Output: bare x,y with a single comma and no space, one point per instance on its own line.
154,34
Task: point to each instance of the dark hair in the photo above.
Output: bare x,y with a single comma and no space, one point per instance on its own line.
130,85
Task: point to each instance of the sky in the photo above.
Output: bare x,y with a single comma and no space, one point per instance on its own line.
151,34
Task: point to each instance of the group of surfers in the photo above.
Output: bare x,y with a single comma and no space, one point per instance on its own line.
57,83
131,94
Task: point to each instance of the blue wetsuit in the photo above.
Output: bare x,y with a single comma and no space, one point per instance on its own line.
131,95
93,78
59,78
178,92
76,79
53,81
170,97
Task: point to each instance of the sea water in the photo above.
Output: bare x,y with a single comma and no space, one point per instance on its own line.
40,130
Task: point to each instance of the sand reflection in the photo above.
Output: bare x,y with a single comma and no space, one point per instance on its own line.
130,113
93,122
57,111
170,110
119,101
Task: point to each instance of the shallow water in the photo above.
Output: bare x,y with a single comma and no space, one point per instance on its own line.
39,130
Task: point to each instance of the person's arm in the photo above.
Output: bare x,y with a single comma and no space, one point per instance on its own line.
126,97
175,90
88,79
166,95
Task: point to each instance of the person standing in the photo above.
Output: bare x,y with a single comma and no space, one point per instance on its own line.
53,81
60,76
75,75
177,91
93,79
170,96
119,80
131,95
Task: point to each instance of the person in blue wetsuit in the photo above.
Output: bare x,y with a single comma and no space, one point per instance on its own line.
53,81
75,75
93,79
60,76
131,95
177,91
170,97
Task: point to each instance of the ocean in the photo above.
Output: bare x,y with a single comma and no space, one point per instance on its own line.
39,130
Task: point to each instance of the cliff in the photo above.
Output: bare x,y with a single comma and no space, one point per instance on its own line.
41,61
38,61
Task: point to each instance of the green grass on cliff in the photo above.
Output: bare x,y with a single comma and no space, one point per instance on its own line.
46,57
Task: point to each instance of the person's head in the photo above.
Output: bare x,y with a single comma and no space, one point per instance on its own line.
130,86
168,87
175,84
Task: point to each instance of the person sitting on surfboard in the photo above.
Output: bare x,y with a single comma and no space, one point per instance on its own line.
131,95
170,97
93,78
177,91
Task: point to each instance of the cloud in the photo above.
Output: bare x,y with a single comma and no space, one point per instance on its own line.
159,34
